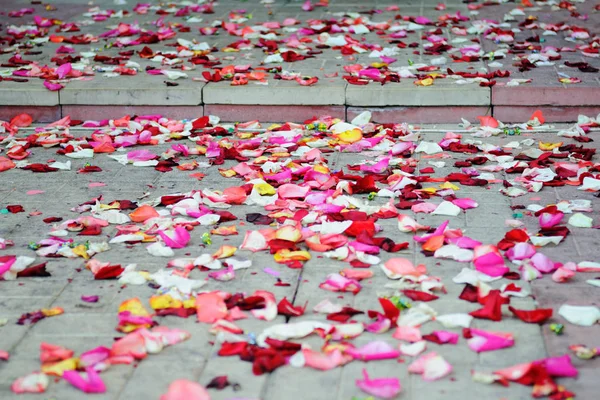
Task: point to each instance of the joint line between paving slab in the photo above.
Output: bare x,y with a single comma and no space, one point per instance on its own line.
30,326
127,380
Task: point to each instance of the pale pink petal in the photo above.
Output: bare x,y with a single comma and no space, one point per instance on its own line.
378,167
324,361
170,336
223,275
408,333
562,275
543,264
424,207
132,344
514,372
140,155
94,356
307,6
529,272
436,368
401,267
418,365
520,251
183,389
464,242
269,312
292,191
325,306
381,325
210,307
401,147
431,365
408,224
35,382
254,241
378,350
413,349
338,283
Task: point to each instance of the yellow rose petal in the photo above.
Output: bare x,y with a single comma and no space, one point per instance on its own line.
351,136
59,368
164,301
448,185
264,189
285,255
225,251
549,146
424,82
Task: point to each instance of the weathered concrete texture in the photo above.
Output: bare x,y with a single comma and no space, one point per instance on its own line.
418,114
406,94
276,93
272,112
22,94
99,112
39,114
559,96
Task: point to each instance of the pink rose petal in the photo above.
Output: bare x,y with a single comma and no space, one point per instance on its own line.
384,388
491,264
489,341
53,86
91,384
175,239
63,70
548,220
378,350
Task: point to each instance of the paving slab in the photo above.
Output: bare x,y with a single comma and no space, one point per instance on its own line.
125,91
276,93
28,94
405,94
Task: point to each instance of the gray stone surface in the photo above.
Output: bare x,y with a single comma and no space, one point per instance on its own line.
126,90
26,94
276,93
406,93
